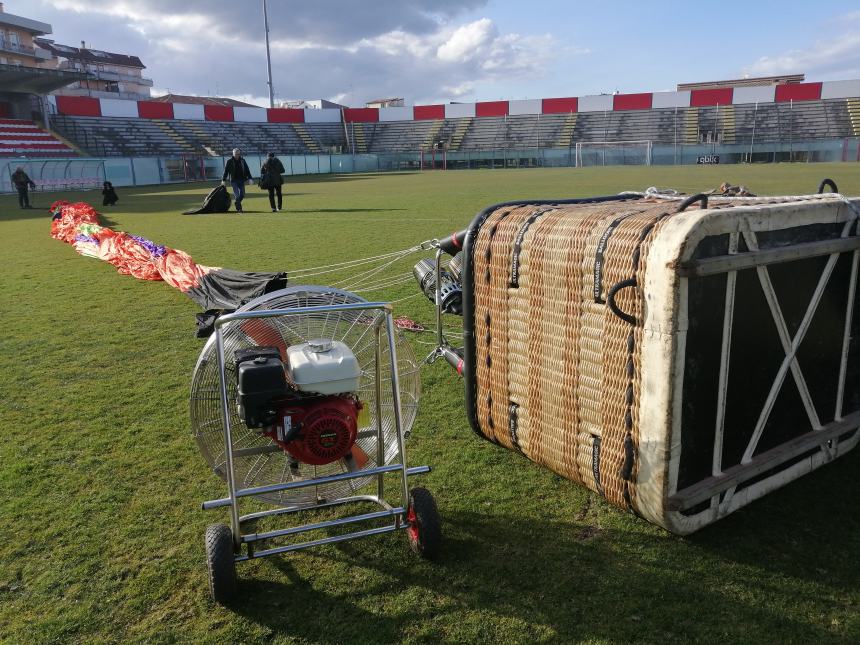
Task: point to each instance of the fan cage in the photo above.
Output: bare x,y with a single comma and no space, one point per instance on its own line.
257,460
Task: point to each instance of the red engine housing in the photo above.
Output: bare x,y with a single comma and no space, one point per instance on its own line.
318,431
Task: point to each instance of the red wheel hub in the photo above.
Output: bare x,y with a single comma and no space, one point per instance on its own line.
412,528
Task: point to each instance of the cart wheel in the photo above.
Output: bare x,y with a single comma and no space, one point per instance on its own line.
219,560
425,526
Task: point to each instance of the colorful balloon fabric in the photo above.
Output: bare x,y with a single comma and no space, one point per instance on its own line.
212,288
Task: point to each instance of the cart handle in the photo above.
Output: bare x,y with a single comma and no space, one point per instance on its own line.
301,311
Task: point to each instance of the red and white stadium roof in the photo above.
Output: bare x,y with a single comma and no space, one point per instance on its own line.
85,106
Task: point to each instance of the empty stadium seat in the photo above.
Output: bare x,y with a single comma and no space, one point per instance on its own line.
21,138
113,136
743,123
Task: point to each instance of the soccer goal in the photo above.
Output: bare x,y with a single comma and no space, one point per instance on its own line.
613,153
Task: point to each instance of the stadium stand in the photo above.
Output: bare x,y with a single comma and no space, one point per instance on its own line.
461,127
309,142
111,136
854,115
770,122
404,136
19,138
779,113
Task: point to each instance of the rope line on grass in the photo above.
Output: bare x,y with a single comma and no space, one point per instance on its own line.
349,264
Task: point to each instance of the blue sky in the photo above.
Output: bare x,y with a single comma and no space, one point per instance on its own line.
644,46
464,50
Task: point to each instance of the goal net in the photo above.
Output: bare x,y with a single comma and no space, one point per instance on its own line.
613,153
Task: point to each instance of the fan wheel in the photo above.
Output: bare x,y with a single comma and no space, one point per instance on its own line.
424,528
220,562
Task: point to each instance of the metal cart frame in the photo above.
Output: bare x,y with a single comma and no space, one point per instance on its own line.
401,515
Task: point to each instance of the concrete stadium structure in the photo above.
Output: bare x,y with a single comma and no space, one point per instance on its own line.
739,115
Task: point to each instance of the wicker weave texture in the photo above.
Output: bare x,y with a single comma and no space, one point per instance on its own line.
557,370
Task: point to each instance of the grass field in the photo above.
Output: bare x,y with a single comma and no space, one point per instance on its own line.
100,480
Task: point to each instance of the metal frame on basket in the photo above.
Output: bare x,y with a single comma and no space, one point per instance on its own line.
720,488
397,513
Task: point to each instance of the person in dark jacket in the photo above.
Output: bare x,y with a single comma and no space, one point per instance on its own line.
237,170
271,177
22,183
110,196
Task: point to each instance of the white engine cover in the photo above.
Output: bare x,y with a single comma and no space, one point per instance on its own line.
323,367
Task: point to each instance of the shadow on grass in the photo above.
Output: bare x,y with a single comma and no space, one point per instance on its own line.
10,211
343,210
600,585
40,212
797,531
286,210
340,177
777,571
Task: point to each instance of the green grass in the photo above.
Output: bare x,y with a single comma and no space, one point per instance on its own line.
100,480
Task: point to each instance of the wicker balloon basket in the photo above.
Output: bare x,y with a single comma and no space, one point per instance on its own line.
680,358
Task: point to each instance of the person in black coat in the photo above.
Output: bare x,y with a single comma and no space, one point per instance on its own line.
237,170
22,183
109,194
271,178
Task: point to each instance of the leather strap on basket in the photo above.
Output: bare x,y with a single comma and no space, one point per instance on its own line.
599,257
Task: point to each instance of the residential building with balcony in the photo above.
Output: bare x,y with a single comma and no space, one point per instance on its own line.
109,75
23,80
17,36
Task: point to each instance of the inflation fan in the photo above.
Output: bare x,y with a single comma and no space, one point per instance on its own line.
303,399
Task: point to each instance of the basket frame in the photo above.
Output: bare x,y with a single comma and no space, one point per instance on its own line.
667,279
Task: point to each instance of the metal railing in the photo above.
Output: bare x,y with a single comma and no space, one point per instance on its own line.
146,170
106,75
17,48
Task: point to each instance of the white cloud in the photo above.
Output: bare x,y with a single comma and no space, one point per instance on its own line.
836,57
457,91
467,41
518,55
329,48
398,43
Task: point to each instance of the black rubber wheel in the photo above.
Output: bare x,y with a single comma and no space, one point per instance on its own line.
424,528
220,562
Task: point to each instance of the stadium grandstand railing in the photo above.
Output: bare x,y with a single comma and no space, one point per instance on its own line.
747,115
148,170
747,124
19,137
144,142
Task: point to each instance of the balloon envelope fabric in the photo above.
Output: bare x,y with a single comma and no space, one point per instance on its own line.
210,287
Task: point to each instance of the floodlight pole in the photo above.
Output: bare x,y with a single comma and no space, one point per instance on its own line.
268,56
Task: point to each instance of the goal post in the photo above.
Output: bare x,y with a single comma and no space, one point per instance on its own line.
613,153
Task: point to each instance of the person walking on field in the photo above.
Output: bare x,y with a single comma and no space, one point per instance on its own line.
237,170
22,183
271,178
